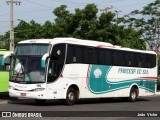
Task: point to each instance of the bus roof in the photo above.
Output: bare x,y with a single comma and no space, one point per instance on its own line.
82,42
4,51
67,40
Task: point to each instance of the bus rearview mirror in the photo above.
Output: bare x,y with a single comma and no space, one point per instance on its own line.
43,60
6,59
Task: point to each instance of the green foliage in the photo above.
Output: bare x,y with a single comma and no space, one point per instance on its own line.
26,30
149,24
47,30
4,39
84,24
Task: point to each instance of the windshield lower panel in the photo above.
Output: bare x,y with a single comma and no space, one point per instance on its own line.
27,70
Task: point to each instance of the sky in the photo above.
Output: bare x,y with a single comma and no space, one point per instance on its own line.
41,10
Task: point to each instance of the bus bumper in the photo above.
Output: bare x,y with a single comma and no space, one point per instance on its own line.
24,94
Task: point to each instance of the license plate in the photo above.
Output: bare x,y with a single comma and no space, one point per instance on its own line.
23,94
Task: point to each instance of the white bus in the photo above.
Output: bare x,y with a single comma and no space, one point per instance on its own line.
70,69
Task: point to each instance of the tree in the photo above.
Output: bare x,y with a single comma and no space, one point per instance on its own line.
60,26
84,24
47,30
26,30
4,41
148,25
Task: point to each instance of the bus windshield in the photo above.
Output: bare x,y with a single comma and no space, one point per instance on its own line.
27,70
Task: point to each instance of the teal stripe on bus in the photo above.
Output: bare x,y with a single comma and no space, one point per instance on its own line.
98,82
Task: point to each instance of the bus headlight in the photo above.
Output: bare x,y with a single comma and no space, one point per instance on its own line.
38,89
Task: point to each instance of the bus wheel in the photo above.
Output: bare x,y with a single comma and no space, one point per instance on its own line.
70,97
133,94
40,102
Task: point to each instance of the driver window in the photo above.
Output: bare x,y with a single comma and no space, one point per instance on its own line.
56,62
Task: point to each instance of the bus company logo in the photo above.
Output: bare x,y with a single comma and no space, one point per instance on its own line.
97,73
6,114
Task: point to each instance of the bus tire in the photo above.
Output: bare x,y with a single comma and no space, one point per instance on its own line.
133,94
70,97
40,102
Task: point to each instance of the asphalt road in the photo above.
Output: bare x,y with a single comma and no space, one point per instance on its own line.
86,109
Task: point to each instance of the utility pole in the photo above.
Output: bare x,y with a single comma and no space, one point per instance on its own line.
11,2
117,15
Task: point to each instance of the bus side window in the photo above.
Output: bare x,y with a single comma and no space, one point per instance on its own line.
108,57
115,58
74,54
79,54
101,57
141,58
152,61
90,55
56,62
128,59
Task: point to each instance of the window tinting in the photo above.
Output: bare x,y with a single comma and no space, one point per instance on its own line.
108,57
32,49
56,62
104,56
90,55
74,54
101,57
